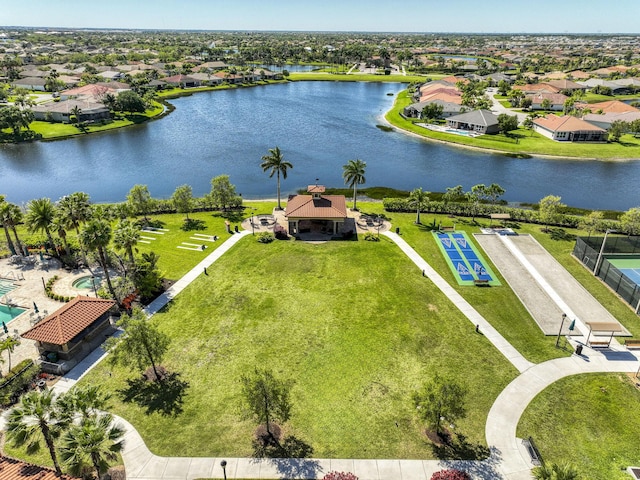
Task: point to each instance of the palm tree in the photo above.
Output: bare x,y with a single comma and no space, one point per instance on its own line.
126,236
276,163
96,440
86,401
11,215
76,112
40,215
75,208
418,199
5,225
353,174
59,225
37,417
8,344
96,236
555,472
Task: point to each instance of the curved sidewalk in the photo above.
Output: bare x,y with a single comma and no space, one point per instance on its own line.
505,413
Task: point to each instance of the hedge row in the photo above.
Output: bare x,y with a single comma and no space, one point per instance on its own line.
485,210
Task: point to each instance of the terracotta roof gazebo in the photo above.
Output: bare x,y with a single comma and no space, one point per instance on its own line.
316,212
72,332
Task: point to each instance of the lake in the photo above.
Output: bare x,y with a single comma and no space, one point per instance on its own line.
318,126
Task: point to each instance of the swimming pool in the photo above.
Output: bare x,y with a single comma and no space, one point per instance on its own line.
86,282
6,286
9,313
457,132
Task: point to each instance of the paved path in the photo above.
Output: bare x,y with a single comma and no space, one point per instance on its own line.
508,459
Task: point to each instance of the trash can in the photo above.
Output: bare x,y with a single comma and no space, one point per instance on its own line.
398,230
579,350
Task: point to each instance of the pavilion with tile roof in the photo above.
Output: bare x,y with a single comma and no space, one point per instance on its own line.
70,333
316,212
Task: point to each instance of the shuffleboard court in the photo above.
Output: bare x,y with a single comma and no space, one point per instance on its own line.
463,258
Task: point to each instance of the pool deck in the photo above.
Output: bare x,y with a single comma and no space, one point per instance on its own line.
29,290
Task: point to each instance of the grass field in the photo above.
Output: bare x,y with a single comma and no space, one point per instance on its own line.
354,323
590,421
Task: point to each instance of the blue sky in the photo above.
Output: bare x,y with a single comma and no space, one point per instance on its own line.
478,16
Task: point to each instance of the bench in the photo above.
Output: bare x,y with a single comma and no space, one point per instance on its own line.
447,229
632,343
536,459
481,283
599,344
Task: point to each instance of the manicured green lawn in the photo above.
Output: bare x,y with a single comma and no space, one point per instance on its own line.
353,323
591,421
523,141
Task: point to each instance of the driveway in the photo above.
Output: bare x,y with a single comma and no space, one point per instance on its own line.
498,108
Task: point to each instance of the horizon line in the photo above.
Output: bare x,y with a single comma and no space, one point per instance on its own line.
151,29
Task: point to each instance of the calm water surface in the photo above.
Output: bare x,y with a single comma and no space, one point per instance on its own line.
318,126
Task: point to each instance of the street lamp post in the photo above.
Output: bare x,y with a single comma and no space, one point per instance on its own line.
223,464
564,317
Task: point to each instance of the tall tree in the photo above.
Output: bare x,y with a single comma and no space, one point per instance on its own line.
182,198
353,175
454,194
95,441
549,210
86,400
630,221
140,200
8,345
75,208
592,221
59,225
494,192
223,192
275,163
141,343
418,199
40,215
267,397
37,418
440,399
126,236
5,224
11,215
76,113
95,236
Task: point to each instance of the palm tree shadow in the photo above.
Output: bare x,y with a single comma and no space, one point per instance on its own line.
458,448
164,397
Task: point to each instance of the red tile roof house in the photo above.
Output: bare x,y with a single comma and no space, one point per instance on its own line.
12,469
556,101
72,332
316,213
568,129
183,81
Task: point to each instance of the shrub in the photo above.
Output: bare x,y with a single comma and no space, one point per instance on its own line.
371,237
339,476
451,474
16,380
265,237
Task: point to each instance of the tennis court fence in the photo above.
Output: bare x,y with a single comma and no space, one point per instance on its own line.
587,250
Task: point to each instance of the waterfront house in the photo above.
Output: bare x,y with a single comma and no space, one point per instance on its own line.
61,111
568,129
480,121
